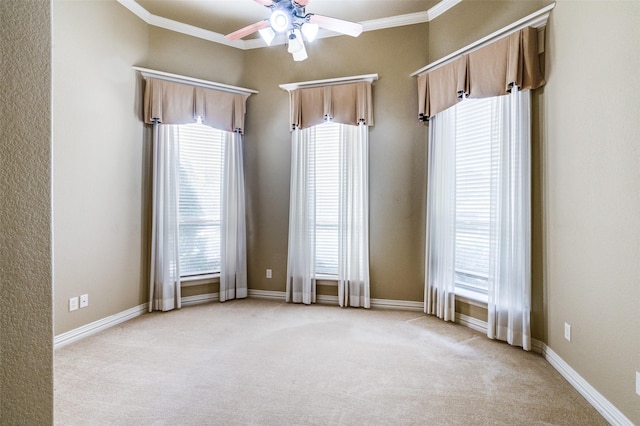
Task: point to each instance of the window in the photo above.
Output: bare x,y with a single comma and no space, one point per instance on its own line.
473,186
329,213
201,151
326,183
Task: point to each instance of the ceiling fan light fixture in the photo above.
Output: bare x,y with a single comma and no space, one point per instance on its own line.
267,35
301,54
296,46
279,21
295,42
310,31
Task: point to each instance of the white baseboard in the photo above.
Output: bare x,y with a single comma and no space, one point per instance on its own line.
481,326
595,398
325,299
399,305
471,322
199,299
76,334
267,294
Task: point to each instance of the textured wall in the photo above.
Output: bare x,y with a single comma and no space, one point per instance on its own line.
26,376
98,167
591,194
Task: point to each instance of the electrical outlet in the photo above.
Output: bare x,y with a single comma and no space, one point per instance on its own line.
269,275
84,300
567,331
73,304
638,382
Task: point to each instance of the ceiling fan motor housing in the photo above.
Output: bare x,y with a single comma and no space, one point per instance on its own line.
292,10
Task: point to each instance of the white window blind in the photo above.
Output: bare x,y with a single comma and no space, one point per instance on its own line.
474,156
326,180
201,170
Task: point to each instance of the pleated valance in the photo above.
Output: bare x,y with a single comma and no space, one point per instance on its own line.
489,71
349,103
168,102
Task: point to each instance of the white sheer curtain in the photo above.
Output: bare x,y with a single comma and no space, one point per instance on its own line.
233,269
509,302
353,218
509,275
353,232
164,286
301,283
439,297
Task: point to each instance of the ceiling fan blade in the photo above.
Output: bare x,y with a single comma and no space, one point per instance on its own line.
249,29
265,2
338,25
301,3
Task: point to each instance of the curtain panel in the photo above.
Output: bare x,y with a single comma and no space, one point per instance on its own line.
164,277
233,269
342,103
168,102
489,71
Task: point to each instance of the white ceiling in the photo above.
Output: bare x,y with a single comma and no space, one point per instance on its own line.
225,16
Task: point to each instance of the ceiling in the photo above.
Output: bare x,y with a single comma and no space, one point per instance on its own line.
225,16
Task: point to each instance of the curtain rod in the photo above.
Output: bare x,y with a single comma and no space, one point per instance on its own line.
146,72
537,20
370,78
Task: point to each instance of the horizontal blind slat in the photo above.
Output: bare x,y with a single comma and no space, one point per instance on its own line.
201,168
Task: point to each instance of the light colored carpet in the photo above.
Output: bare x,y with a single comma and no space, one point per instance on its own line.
260,362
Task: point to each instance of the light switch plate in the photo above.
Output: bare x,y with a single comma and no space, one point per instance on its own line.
73,303
638,382
567,331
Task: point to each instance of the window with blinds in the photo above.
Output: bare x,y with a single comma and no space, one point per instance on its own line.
201,169
326,184
474,156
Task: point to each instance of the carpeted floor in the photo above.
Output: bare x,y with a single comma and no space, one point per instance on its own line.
260,362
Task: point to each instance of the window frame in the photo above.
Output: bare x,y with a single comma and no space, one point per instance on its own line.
217,137
468,292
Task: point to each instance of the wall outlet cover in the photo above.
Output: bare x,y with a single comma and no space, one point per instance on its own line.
638,382
269,274
84,300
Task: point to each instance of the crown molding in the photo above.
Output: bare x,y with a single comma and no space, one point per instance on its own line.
396,21
440,8
179,27
257,43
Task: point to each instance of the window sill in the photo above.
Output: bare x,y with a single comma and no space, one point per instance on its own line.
199,280
472,297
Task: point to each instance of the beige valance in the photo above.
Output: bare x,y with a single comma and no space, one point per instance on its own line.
169,102
350,103
489,71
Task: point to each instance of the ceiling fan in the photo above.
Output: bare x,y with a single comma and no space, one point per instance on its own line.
289,17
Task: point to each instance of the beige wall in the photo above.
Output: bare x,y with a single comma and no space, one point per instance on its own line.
586,173
397,155
194,57
26,370
591,194
97,160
